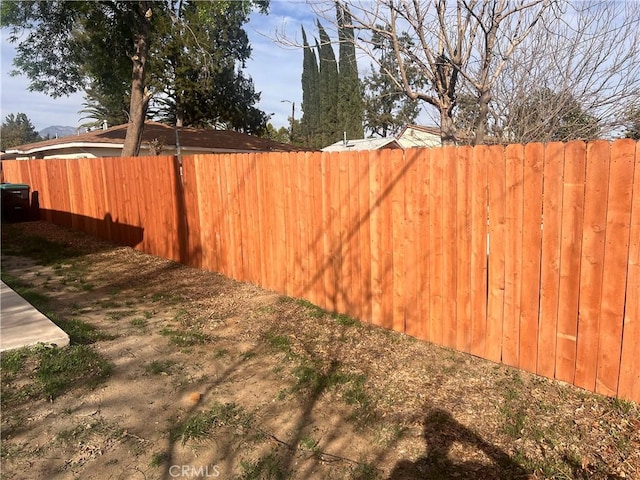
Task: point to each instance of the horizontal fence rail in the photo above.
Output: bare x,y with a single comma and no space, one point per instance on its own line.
528,255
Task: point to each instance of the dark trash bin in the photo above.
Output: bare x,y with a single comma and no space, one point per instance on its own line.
15,202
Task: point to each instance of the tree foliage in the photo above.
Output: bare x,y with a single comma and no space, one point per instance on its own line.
386,107
497,52
632,129
185,55
310,122
328,87
350,103
17,130
537,118
198,59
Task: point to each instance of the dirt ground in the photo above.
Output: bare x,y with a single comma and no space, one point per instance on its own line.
211,378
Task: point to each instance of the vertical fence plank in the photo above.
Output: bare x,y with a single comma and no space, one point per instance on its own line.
463,254
496,178
449,245
243,174
196,177
423,254
364,235
76,195
293,231
375,190
355,291
479,219
513,253
570,253
262,208
344,272
550,262
531,256
592,264
411,244
616,261
398,223
305,214
333,231
436,241
386,245
629,384
316,233
214,181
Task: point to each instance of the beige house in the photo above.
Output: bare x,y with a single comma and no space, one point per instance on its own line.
417,136
157,139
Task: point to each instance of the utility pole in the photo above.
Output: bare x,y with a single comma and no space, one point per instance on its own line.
292,118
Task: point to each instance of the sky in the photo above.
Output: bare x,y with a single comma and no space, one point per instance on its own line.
274,68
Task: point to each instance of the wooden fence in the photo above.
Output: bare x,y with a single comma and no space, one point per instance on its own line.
527,255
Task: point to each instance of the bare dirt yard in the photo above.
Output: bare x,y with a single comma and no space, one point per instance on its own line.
178,373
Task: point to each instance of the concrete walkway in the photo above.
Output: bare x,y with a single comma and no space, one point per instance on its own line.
22,325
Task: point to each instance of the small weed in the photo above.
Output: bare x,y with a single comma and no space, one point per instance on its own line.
312,310
120,314
311,378
364,471
203,423
158,367
345,320
158,458
107,304
148,315
513,408
62,369
356,395
278,342
41,249
80,332
220,352
138,322
249,354
185,338
265,468
12,361
86,286
309,443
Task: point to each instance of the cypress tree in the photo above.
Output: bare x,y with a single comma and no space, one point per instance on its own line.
350,102
310,122
329,127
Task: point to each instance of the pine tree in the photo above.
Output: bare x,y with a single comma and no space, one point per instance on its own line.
329,127
310,123
387,108
350,103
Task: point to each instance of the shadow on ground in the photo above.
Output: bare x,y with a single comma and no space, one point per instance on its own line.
443,436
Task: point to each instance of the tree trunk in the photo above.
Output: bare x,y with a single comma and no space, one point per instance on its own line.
447,127
139,96
481,120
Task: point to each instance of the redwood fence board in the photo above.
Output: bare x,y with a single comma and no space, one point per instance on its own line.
527,255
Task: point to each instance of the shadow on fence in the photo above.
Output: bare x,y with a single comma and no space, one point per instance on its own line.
106,228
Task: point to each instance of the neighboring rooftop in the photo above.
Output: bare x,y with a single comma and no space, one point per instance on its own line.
107,142
362,144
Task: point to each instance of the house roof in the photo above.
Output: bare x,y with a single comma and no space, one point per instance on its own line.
421,128
193,139
362,144
419,136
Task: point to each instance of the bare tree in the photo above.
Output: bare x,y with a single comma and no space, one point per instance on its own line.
457,42
583,64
